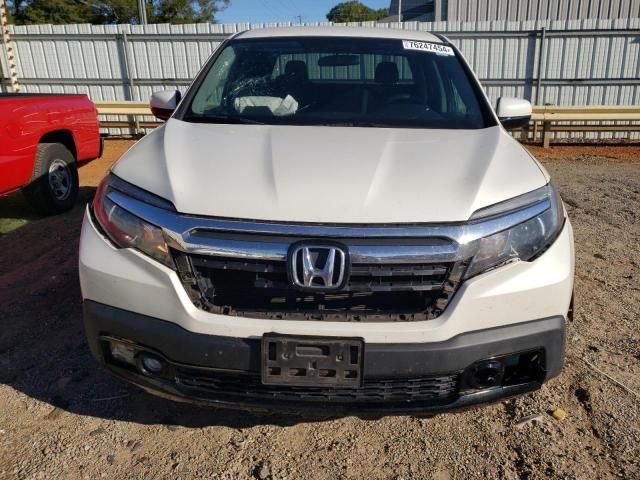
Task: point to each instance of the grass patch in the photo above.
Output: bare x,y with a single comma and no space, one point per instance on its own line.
15,212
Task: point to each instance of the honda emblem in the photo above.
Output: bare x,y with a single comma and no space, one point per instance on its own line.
318,267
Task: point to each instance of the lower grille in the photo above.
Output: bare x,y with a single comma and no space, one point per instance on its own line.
249,387
373,292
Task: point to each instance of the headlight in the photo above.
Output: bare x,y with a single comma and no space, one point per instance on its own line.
524,241
125,229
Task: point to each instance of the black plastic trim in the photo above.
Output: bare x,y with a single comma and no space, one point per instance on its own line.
170,391
513,123
380,360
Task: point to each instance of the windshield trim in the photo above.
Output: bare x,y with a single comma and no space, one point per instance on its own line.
182,111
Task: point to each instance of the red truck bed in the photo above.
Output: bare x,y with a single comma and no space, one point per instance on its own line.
28,122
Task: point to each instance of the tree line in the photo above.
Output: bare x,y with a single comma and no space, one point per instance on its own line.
105,12
355,11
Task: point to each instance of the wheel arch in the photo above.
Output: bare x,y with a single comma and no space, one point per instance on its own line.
64,137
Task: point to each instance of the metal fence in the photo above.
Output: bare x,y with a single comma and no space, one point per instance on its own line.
573,62
475,10
466,10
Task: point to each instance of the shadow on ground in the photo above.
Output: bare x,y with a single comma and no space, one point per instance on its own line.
15,212
43,352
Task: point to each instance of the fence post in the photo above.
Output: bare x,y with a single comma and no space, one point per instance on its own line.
543,36
8,47
546,133
127,79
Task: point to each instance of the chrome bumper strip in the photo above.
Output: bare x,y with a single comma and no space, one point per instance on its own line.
196,235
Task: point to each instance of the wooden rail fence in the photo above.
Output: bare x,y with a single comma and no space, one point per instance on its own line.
546,119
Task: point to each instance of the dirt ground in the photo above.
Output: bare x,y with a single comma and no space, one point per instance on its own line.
63,417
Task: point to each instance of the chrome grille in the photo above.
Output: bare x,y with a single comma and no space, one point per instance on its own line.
385,291
390,293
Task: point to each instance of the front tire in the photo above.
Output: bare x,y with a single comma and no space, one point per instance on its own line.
55,184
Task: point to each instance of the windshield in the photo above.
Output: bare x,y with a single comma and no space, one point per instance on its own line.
337,81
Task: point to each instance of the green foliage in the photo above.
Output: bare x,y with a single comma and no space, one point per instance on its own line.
354,11
113,11
185,11
26,12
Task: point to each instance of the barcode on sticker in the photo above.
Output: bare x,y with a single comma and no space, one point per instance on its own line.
427,47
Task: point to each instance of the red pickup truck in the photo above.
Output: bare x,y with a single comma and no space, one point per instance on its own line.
43,137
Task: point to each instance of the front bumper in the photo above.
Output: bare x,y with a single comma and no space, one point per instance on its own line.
515,311
227,367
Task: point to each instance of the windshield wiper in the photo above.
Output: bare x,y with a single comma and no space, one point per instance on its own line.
223,119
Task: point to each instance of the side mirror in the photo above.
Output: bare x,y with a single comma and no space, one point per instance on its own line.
164,103
514,112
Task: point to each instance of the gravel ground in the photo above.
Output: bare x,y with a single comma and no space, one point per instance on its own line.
63,417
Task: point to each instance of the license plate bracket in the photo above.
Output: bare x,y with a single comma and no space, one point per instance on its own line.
311,361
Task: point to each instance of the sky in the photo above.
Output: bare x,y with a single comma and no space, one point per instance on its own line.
258,11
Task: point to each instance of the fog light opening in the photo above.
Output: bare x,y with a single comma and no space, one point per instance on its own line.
487,374
123,352
150,364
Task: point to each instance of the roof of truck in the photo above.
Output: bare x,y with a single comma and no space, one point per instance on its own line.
339,31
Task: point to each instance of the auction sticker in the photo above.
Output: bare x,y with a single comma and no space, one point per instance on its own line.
427,47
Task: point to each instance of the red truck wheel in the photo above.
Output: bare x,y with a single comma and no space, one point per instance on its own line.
54,187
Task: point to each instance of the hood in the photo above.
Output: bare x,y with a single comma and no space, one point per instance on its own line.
329,174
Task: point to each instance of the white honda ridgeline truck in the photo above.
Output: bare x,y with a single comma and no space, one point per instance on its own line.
331,219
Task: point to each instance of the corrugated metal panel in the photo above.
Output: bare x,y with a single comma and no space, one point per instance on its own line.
481,10
124,62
